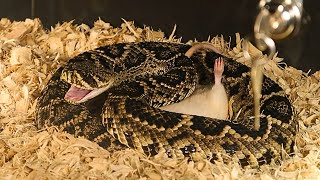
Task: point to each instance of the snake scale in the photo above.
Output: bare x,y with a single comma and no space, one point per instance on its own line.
140,78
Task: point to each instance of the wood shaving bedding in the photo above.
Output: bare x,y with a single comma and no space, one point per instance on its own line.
30,54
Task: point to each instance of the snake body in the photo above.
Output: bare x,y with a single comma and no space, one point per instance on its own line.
141,77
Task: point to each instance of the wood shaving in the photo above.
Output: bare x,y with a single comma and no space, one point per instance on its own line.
30,54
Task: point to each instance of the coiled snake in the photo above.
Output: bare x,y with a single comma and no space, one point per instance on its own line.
141,77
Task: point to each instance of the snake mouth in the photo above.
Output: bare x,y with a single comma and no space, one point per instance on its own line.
76,94
79,95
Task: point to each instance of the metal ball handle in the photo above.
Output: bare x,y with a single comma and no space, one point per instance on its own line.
278,19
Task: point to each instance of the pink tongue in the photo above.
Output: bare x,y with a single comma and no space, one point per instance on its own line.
76,94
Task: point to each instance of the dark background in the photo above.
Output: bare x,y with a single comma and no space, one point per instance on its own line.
194,20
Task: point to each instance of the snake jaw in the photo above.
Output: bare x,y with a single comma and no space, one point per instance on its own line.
79,95
76,94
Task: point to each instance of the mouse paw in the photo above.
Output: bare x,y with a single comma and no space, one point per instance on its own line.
218,68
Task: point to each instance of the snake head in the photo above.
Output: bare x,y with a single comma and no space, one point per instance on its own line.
86,72
87,76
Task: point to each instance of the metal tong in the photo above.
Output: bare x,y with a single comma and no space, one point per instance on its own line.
277,20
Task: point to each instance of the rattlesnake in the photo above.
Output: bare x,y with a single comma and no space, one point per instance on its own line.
140,78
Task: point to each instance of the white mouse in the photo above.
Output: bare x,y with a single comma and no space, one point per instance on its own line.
210,102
